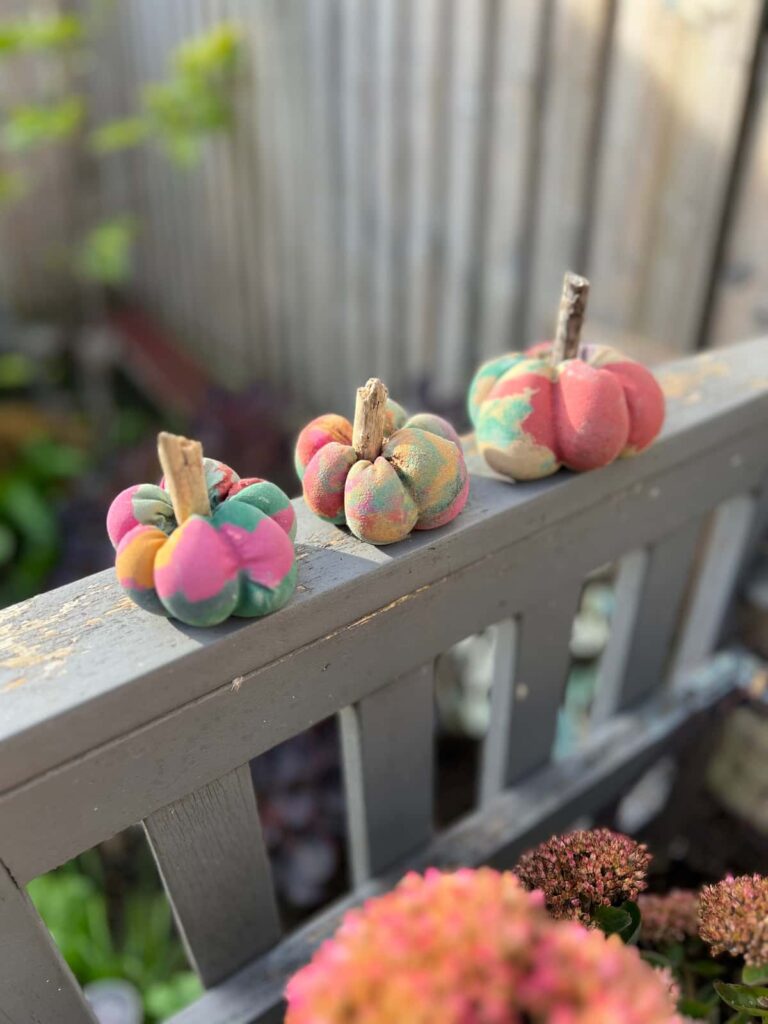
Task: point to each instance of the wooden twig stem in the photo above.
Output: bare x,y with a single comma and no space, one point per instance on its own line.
570,318
182,462
370,414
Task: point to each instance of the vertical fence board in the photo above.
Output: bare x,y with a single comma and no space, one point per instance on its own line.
36,986
627,598
663,589
453,344
729,534
388,752
211,855
525,711
676,88
575,57
741,286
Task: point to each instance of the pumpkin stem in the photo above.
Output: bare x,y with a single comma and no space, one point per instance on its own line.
182,462
570,318
370,416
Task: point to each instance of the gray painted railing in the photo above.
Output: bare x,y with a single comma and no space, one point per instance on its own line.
111,717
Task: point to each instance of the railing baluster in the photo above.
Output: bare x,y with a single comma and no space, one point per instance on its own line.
388,753
211,855
525,706
640,655
730,533
36,985
496,745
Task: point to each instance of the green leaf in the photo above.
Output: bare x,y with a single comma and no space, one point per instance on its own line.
105,254
623,921
41,32
708,968
744,998
210,54
755,974
163,999
35,125
695,1008
120,134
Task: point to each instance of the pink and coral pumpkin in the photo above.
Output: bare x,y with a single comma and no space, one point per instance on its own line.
531,417
239,560
417,481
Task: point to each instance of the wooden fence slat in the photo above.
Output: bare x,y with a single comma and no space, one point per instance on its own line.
514,103
627,595
667,577
424,157
212,859
495,745
676,88
522,741
388,752
741,283
450,367
729,534
575,59
36,985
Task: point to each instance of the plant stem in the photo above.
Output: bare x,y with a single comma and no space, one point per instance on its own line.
570,318
370,415
182,462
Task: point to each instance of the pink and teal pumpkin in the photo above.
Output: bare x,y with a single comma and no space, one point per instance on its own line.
240,560
531,418
419,481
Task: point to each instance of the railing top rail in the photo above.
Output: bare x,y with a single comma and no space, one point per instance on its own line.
81,666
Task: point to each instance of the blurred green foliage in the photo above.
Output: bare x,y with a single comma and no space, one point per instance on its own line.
106,252
33,125
141,948
40,32
176,115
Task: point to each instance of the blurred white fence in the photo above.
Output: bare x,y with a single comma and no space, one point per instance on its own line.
408,179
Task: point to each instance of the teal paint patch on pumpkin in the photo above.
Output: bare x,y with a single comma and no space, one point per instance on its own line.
501,419
486,377
257,600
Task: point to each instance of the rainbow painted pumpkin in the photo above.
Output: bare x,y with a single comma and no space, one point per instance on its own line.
240,560
531,417
417,481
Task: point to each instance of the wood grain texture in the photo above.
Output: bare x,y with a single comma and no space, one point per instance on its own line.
577,49
665,583
547,802
36,986
627,596
740,306
388,756
542,661
729,535
676,88
212,860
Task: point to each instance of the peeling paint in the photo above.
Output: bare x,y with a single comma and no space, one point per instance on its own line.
47,641
685,383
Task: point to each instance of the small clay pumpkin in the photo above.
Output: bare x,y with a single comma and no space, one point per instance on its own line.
562,403
204,544
387,475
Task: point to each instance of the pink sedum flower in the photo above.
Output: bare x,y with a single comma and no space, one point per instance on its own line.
672,917
581,871
473,947
733,918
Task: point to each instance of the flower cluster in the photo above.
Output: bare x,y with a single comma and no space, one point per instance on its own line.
468,947
584,870
672,917
733,917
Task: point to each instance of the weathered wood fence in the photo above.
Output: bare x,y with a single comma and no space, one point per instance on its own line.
408,179
110,716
